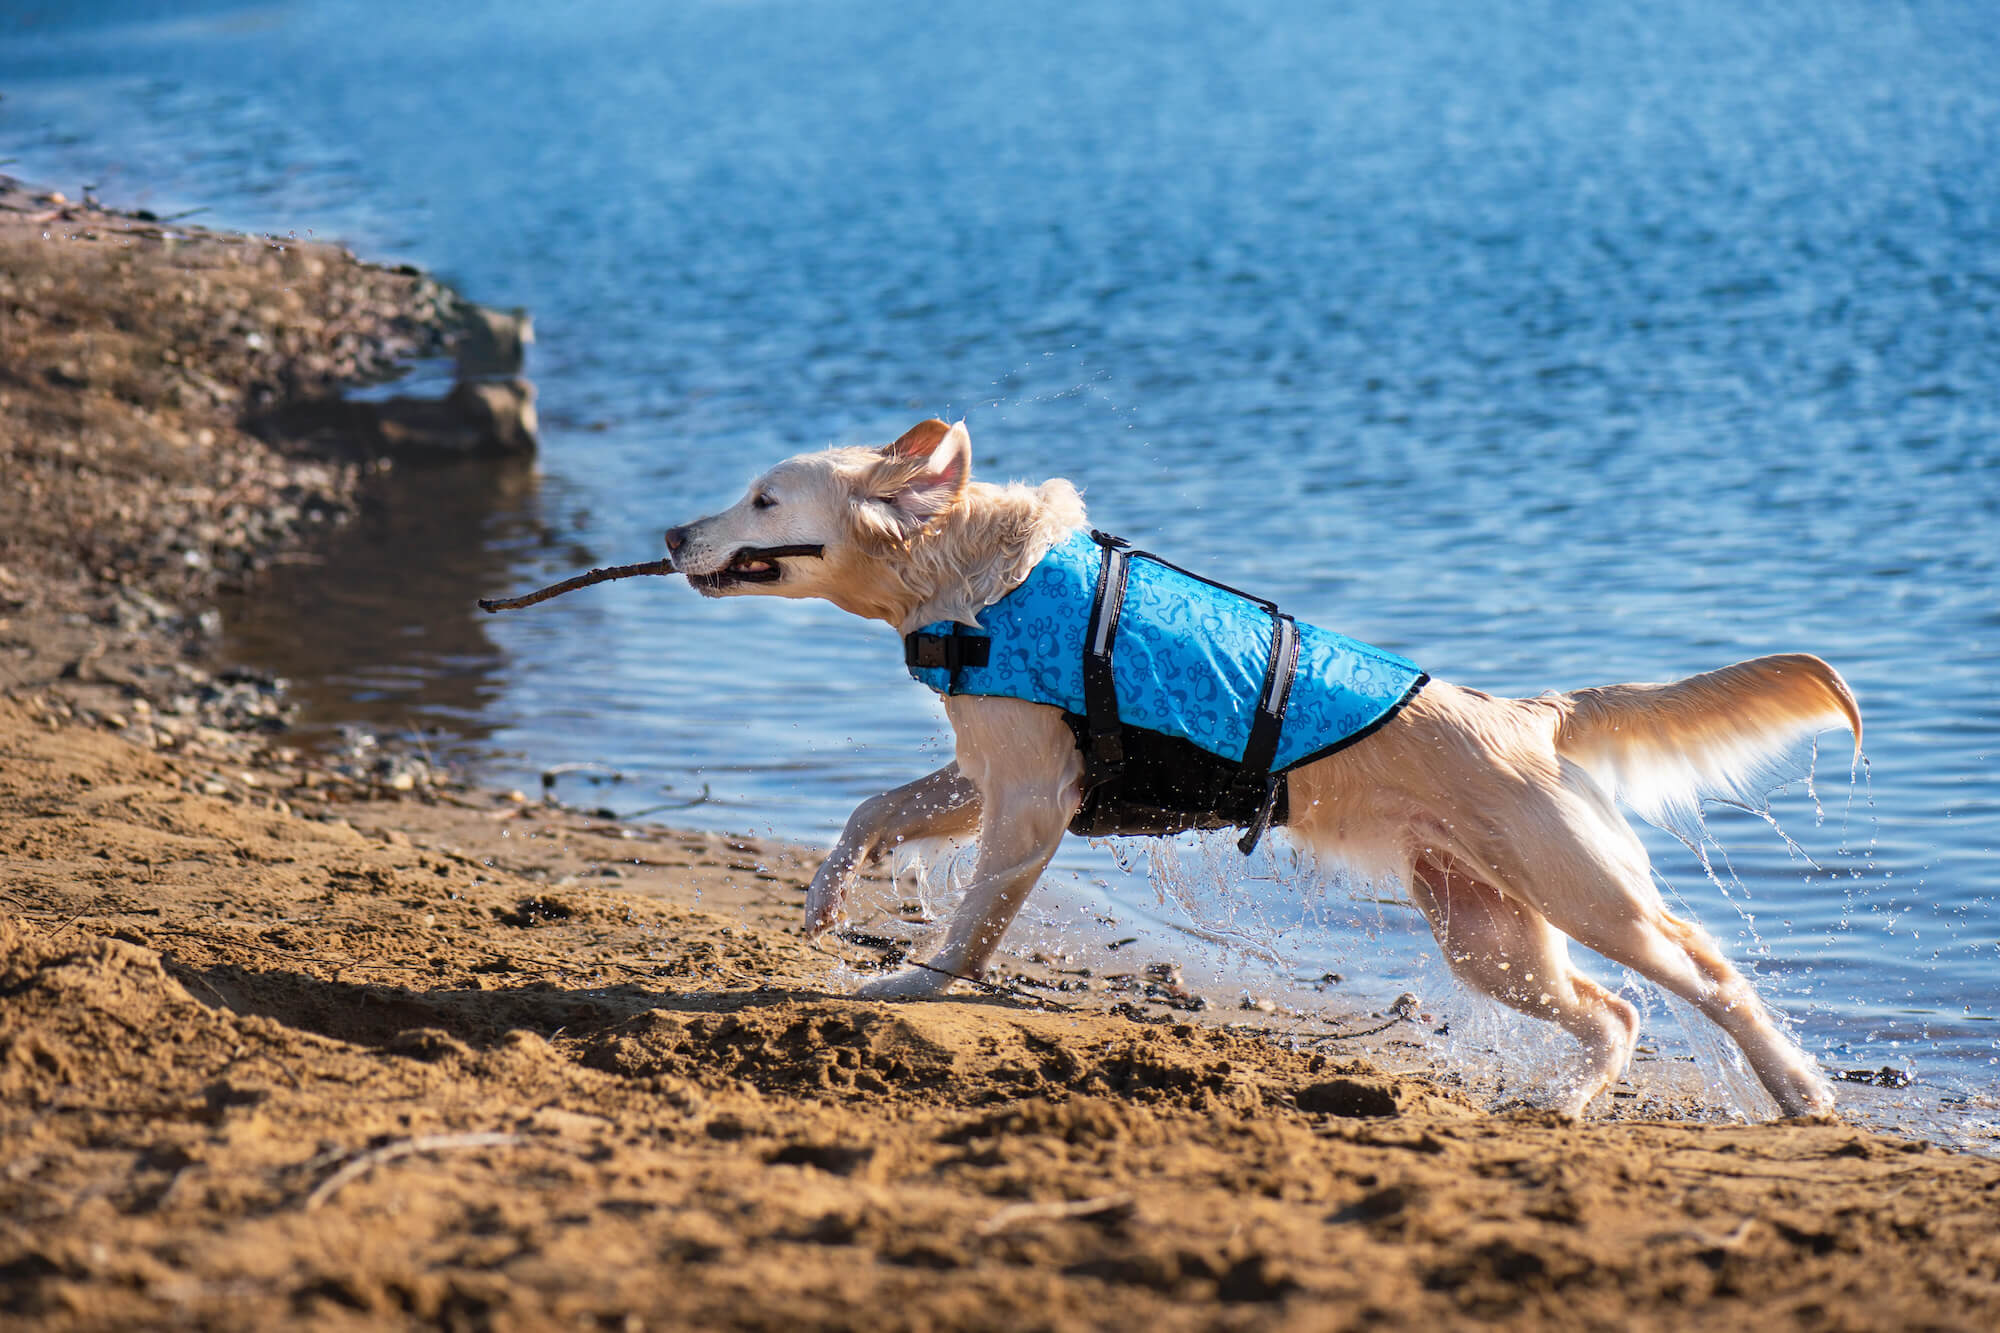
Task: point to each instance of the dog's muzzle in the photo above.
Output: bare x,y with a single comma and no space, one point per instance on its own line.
754,564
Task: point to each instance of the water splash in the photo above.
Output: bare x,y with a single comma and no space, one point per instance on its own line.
1283,924
933,874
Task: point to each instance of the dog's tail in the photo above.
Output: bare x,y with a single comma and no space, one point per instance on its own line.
1661,748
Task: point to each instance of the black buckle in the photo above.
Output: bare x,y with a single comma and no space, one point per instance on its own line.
954,652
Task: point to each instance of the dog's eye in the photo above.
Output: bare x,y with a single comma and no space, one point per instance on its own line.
762,501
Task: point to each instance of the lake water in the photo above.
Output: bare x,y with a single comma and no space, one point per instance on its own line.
1549,344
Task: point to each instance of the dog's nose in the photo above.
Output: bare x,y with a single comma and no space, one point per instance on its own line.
676,538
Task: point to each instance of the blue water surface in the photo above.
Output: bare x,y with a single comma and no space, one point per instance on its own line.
1548,344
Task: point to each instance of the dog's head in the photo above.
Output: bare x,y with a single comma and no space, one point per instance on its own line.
858,506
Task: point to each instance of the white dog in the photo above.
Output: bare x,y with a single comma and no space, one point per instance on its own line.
1498,814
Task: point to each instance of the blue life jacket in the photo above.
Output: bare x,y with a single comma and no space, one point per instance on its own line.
1189,700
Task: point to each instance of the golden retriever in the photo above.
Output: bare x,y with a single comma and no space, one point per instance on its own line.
1498,814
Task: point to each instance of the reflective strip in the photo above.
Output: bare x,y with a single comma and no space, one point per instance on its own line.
1100,684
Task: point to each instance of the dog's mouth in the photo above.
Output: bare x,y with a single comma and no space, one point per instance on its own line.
752,564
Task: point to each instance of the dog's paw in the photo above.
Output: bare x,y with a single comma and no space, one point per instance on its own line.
912,983
826,897
1808,1096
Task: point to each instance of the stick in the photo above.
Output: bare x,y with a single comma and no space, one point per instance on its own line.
1105,1205
580,581
1350,1036
390,1152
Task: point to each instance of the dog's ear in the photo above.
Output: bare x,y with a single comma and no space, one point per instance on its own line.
919,479
920,440
929,468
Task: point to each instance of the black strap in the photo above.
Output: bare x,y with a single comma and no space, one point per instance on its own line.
1265,813
1106,750
954,651
1268,725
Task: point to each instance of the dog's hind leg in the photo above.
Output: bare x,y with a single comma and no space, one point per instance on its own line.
1024,760
1683,958
1513,954
1586,871
944,804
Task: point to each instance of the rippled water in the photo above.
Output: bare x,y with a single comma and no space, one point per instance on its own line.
1549,344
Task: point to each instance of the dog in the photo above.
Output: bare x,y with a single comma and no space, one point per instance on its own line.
1499,815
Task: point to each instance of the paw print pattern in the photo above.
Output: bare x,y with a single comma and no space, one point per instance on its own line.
1036,632
1343,688
1190,659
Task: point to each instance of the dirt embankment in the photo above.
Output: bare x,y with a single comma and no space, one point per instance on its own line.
272,1053
140,363
138,355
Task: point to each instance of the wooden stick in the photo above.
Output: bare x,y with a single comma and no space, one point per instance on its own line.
1111,1206
367,1161
580,581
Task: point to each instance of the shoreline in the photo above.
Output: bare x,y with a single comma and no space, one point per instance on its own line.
285,1041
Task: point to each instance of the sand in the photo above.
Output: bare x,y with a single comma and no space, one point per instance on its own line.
285,1042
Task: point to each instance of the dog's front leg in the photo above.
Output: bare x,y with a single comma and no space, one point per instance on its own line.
943,804
1024,760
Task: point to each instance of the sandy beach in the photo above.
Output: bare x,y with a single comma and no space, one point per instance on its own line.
286,1040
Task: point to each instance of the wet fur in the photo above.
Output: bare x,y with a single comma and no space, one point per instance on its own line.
1499,814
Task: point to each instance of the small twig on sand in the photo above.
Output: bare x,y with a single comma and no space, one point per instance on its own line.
688,804
1108,1206
1004,992
66,925
389,1152
1733,1241
1350,1036
579,581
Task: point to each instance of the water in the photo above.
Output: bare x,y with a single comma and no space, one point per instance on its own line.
1549,344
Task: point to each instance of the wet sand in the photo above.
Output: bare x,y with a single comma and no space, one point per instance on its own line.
287,1037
